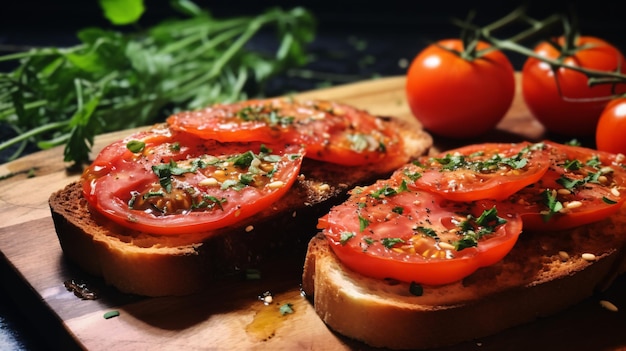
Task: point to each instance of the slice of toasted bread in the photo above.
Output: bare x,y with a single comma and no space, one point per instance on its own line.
543,274
152,265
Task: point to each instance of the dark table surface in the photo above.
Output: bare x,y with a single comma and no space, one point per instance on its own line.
355,41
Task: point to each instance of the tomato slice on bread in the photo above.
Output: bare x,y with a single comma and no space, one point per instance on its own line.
390,231
330,131
480,171
183,184
581,186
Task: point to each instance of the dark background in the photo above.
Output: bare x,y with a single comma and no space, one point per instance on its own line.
355,40
393,29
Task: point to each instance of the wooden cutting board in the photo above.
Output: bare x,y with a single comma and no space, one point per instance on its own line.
231,315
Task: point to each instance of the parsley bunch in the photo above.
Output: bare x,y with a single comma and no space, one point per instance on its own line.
116,80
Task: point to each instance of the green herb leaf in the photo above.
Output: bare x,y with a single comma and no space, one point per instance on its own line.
608,201
416,289
363,223
398,210
551,202
286,309
114,80
345,236
111,314
135,146
391,242
427,231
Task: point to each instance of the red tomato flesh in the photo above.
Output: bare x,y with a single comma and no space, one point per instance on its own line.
388,231
179,183
331,132
481,171
585,185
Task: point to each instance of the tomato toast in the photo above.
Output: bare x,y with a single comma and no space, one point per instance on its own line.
418,268
169,209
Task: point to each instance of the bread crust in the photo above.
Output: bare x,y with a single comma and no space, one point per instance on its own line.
531,282
152,265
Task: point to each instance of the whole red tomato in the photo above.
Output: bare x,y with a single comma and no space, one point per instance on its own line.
611,129
458,97
567,105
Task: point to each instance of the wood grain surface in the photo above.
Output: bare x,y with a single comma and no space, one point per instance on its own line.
231,316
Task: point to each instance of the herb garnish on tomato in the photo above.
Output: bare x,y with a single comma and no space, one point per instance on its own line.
390,230
145,184
480,171
581,186
331,132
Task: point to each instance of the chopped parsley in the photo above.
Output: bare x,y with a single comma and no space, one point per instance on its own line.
551,202
398,210
165,171
391,242
363,223
416,289
345,236
473,229
386,191
454,162
135,146
286,309
427,231
259,114
209,202
569,183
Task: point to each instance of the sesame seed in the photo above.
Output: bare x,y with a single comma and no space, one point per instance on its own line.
249,228
276,184
208,182
588,257
603,179
608,305
446,246
573,204
615,192
324,187
606,169
563,191
564,256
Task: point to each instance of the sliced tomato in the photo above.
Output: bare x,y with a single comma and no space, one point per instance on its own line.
479,171
184,184
390,231
254,120
580,187
331,132
363,140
